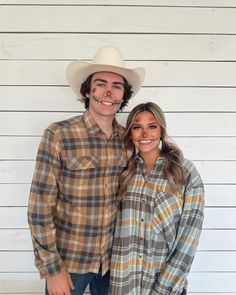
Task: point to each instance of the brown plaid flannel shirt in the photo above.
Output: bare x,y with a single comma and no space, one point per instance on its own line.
72,205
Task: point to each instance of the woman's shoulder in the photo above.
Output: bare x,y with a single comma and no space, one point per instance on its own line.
188,165
190,168
193,175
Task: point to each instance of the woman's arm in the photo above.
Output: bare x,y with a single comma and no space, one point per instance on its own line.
173,274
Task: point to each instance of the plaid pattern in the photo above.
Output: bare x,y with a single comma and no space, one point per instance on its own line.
157,233
72,206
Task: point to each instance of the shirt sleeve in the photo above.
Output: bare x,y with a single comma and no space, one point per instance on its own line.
173,275
42,203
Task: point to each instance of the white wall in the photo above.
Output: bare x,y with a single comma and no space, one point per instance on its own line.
188,48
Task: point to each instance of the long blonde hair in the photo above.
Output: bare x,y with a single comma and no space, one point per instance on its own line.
172,170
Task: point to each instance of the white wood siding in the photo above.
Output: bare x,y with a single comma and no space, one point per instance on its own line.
188,48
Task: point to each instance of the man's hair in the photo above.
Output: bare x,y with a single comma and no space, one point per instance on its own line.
86,88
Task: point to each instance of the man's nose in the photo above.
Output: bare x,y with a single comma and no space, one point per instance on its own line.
108,91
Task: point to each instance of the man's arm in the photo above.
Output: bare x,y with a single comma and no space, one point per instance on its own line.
42,202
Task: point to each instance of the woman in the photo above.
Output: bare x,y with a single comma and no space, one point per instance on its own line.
161,212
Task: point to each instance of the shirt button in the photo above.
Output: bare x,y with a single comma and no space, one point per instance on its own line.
142,220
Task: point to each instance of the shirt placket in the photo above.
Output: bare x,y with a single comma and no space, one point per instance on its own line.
106,209
142,234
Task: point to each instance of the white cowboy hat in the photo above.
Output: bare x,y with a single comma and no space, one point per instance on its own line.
107,59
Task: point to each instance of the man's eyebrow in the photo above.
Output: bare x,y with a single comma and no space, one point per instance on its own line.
105,81
101,80
120,83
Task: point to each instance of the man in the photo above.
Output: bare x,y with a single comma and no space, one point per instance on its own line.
72,204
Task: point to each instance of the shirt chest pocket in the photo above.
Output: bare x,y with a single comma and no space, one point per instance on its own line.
77,170
77,177
167,215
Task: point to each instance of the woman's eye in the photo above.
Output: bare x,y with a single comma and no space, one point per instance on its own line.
153,126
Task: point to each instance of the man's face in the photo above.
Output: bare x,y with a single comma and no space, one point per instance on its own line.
106,94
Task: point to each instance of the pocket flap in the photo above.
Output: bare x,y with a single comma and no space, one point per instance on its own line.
86,162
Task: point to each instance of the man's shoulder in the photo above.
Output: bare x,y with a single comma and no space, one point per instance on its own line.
66,125
121,129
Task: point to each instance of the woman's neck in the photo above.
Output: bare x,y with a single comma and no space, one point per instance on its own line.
149,161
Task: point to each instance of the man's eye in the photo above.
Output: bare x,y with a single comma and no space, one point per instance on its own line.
101,84
118,86
136,127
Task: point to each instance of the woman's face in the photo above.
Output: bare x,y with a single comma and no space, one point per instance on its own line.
145,133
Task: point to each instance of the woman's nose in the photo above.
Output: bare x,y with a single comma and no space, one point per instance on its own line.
145,133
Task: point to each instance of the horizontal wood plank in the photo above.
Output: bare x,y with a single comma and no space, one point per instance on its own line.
83,46
217,171
15,240
211,172
21,283
14,194
214,261
212,283
217,240
192,3
157,19
170,99
215,195
197,148
211,221
203,262
220,195
158,73
211,240
178,124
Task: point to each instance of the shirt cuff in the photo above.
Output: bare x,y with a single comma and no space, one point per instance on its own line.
51,269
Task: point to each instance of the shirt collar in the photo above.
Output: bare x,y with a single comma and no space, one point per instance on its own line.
94,129
157,167
139,159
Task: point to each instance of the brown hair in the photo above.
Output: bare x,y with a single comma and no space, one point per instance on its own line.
172,170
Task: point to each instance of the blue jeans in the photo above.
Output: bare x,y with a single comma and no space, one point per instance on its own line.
98,285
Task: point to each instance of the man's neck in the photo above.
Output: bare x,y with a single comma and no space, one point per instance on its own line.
104,122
